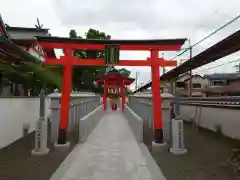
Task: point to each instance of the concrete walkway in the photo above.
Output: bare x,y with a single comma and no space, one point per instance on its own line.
109,153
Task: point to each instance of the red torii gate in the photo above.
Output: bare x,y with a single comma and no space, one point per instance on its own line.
68,60
114,80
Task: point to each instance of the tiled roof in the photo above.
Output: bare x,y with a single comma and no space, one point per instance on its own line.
222,76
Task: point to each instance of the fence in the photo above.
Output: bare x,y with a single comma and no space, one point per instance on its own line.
213,113
222,101
15,113
81,104
142,106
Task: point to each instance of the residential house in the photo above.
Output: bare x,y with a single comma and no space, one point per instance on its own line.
183,85
227,84
220,79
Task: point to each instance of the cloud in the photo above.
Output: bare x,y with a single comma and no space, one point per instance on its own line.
156,16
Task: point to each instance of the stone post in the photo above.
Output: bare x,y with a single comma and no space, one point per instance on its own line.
41,129
178,146
55,116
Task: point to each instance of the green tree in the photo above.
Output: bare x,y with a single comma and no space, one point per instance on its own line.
83,76
31,75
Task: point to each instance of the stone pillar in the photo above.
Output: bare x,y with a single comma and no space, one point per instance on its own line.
41,130
178,146
55,116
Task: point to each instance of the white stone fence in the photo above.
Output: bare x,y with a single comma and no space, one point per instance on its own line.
141,104
81,104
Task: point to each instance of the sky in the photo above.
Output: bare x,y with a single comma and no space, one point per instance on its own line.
135,19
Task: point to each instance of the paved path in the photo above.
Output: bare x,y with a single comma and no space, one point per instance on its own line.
110,153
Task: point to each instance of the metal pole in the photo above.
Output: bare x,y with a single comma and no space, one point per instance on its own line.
42,105
136,80
190,72
177,106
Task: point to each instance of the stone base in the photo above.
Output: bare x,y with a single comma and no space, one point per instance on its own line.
40,153
158,145
178,151
62,146
158,136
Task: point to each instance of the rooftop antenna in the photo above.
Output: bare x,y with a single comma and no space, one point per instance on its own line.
38,26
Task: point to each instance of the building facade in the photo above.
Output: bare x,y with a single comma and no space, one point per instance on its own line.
183,87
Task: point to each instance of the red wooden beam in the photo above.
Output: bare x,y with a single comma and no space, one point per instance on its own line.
113,83
95,62
74,61
113,86
101,46
114,80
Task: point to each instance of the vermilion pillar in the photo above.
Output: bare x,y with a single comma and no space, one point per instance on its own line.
156,98
105,96
65,98
123,96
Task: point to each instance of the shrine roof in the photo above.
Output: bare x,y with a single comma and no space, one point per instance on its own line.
113,77
115,80
104,41
10,53
26,29
24,42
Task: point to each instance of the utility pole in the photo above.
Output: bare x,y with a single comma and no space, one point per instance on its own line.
163,68
190,72
136,85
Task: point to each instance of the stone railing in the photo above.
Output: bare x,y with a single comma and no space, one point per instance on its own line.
81,104
135,122
141,104
219,114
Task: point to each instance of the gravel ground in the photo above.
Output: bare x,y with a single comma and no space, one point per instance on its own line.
207,158
17,163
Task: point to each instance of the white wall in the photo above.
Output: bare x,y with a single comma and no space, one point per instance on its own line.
229,119
14,112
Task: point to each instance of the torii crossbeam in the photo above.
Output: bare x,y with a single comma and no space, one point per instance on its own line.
68,60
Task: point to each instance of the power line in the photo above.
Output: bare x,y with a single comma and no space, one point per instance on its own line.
230,62
214,32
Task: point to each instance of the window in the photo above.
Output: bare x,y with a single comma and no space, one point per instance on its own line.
180,84
196,85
